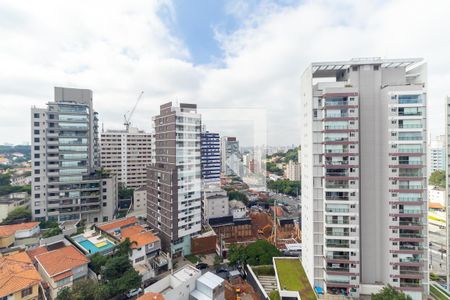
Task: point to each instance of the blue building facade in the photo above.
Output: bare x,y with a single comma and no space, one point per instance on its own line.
210,157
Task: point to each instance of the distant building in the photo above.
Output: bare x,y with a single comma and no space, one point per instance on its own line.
12,201
140,200
66,181
215,203
18,278
210,157
127,154
10,235
436,155
237,209
436,195
293,171
231,156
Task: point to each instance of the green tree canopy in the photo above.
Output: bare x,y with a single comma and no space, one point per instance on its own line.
97,262
285,186
389,293
237,195
20,214
272,168
260,252
52,232
437,178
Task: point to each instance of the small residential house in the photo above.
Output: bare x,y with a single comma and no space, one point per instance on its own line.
11,235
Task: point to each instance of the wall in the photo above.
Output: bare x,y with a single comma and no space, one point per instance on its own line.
7,241
204,245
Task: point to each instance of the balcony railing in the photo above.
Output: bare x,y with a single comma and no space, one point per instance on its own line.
338,210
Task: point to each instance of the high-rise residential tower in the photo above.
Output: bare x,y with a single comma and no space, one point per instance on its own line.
126,153
447,185
436,154
210,157
66,181
174,179
231,156
363,154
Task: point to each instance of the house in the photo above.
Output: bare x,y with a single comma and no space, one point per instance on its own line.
115,226
187,283
144,244
61,268
18,278
18,234
151,296
12,201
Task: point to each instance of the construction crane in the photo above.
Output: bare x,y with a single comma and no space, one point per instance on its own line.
127,120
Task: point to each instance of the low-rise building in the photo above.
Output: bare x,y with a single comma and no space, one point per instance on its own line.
12,201
144,244
140,200
215,203
18,278
436,195
187,283
16,234
61,268
238,209
115,226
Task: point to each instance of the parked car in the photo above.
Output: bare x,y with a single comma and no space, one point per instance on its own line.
134,292
202,266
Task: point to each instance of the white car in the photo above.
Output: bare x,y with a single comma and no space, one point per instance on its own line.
134,292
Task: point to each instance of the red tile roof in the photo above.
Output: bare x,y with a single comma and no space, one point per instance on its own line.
61,260
435,205
118,224
17,273
138,235
7,230
36,251
151,296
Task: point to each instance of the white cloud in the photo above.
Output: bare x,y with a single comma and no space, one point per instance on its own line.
119,48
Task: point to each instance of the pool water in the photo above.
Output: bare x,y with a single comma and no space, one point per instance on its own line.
92,248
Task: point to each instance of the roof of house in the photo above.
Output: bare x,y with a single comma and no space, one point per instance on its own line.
36,251
138,235
6,230
61,261
151,296
435,205
17,273
118,223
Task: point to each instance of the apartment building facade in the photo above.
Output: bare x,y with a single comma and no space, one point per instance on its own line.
174,179
293,171
447,185
66,182
127,154
231,155
364,211
210,157
436,155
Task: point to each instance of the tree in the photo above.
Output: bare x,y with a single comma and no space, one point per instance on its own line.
389,293
127,281
260,252
125,193
237,195
18,215
52,232
97,262
115,267
285,186
65,294
5,179
437,178
125,247
272,168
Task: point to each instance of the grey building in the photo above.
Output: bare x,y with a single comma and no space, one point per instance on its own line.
174,180
127,154
66,181
364,207
231,156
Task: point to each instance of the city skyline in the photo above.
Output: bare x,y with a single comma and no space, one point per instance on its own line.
175,52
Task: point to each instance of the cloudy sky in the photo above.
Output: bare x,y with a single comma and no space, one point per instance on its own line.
220,54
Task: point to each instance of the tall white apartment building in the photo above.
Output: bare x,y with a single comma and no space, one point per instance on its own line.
66,181
363,153
436,154
447,186
174,179
127,154
230,155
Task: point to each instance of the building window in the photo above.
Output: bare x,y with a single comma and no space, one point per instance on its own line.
27,291
36,124
37,211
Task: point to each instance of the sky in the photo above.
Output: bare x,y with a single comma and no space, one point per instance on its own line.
243,57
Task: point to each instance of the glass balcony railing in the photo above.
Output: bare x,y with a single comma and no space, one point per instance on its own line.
409,199
337,256
410,211
338,210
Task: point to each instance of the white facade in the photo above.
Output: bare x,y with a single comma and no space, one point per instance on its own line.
215,203
293,171
364,194
140,200
436,154
126,154
436,195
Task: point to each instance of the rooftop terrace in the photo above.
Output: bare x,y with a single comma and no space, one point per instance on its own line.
292,277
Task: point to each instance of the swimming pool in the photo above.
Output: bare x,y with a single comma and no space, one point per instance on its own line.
94,248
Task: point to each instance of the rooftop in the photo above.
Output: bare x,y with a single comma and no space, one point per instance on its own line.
17,273
186,273
6,230
138,235
118,223
151,296
61,261
210,280
292,277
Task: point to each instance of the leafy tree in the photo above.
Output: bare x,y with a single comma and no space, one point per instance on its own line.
52,232
5,179
20,214
437,178
237,195
97,262
8,189
389,293
272,168
260,252
125,193
285,186
65,294
127,281
115,267
125,247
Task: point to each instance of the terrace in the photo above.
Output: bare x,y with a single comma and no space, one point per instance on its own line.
292,280
92,242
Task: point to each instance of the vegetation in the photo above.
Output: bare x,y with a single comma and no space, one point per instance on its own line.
286,187
6,187
434,277
274,295
389,293
125,193
437,178
237,195
192,258
217,260
18,215
264,270
52,232
438,293
24,149
254,254
292,277
97,262
272,168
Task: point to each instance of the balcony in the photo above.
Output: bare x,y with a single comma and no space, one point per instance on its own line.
345,244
